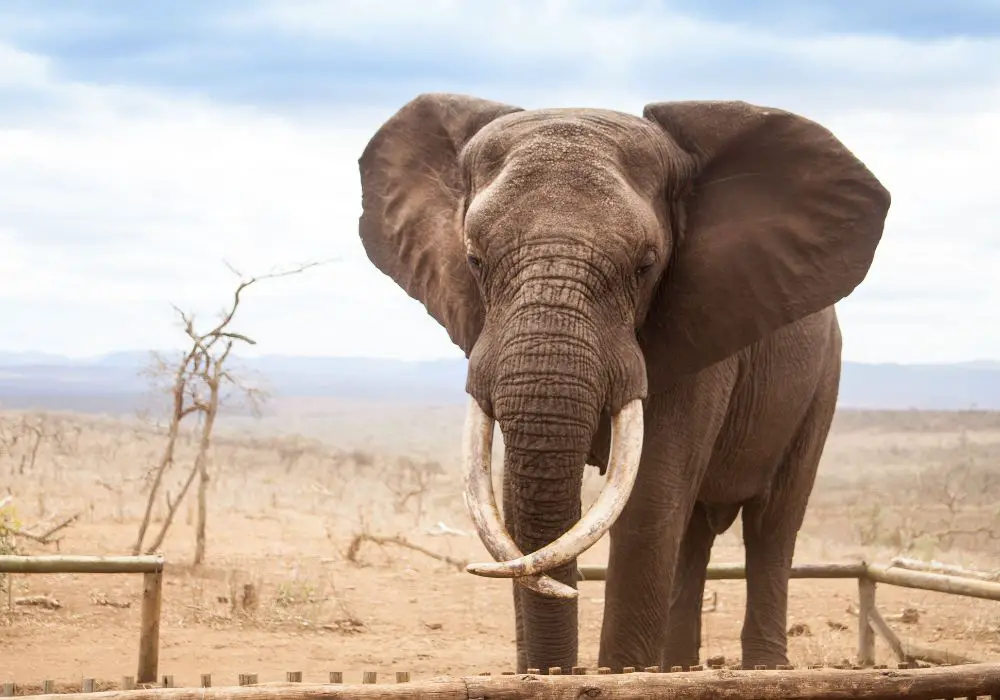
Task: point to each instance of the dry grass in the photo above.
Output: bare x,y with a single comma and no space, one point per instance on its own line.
285,590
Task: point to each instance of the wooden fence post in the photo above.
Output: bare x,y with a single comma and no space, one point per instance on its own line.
149,635
866,635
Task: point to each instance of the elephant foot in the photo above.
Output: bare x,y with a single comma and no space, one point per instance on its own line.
770,656
543,666
672,660
617,661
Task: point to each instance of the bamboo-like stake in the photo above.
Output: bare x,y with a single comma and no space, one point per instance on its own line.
149,630
866,635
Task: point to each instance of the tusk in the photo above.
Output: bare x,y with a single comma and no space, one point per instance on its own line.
626,449
477,457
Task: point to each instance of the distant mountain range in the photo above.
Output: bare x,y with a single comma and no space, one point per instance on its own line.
114,383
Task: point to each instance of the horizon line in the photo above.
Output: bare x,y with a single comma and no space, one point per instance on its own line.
10,354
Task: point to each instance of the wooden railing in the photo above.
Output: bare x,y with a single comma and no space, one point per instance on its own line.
870,620
968,680
151,568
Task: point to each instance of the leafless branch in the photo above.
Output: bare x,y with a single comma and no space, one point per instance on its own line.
382,540
47,536
196,387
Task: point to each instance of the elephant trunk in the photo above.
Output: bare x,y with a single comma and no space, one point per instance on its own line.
548,394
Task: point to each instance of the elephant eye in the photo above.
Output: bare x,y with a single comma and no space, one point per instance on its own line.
475,262
646,264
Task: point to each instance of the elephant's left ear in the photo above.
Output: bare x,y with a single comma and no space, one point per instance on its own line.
782,220
412,191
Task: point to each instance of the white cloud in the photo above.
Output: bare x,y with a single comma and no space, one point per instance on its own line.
606,38
19,68
129,200
117,201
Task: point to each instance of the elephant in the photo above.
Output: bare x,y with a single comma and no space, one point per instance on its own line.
654,296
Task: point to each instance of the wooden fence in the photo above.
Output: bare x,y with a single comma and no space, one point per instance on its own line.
870,620
151,568
938,683
968,680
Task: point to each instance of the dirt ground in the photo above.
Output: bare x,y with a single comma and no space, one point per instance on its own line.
292,491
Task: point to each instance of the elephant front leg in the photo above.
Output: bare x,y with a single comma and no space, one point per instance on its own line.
681,428
636,599
645,543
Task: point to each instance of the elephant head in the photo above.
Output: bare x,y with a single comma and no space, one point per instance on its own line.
583,258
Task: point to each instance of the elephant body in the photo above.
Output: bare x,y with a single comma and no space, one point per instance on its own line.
746,433
654,295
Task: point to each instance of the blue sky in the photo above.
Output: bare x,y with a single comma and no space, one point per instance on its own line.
144,142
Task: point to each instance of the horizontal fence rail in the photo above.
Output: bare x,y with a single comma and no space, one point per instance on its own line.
151,568
58,564
881,573
971,681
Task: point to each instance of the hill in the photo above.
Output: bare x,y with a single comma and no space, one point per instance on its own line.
114,383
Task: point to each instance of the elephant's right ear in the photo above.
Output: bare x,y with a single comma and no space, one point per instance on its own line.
411,197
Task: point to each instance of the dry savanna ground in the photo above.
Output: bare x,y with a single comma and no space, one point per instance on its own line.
292,492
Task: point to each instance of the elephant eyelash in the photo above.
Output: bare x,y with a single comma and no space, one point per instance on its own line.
647,263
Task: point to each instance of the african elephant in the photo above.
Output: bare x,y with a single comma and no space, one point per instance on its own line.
651,295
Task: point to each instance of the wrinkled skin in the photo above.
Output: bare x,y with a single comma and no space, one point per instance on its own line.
584,258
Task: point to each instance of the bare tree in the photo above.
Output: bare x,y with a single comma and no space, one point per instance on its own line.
196,385
26,438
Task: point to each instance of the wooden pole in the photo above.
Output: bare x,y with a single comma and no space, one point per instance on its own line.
826,684
942,583
920,580
866,635
733,572
878,623
149,634
907,652
59,564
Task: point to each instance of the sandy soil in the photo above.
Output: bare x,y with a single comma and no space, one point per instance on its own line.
285,509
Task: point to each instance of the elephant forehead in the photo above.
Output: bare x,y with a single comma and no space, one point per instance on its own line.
510,214
579,142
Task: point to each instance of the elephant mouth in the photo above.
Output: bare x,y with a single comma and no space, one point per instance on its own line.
529,569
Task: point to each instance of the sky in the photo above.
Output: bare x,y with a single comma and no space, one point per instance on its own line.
144,143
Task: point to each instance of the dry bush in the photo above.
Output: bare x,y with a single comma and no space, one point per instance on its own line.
922,495
935,512
8,526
